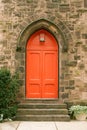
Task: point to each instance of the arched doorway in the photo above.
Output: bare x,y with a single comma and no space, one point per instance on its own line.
42,66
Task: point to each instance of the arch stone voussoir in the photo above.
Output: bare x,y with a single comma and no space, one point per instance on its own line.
57,29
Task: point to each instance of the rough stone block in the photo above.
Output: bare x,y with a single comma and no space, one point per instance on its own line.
77,57
71,26
84,95
75,15
67,76
71,82
21,69
84,36
78,34
72,63
61,89
65,95
2,57
52,6
56,1
70,87
78,43
84,47
6,1
21,82
7,52
64,8
29,1
85,3
81,66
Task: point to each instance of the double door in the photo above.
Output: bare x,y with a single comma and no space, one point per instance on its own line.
42,66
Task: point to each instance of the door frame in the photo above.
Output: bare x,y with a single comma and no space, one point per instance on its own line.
58,72
26,30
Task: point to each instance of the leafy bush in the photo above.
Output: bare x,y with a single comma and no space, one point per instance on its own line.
9,87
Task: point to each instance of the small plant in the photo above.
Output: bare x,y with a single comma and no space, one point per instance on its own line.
1,117
78,111
9,87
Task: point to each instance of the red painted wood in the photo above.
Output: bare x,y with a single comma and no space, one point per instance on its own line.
50,77
42,66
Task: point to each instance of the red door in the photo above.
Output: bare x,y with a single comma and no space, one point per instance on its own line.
42,66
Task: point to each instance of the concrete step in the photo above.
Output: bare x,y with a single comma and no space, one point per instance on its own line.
43,118
42,106
41,101
42,111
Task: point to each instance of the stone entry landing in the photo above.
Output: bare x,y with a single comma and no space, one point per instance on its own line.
42,110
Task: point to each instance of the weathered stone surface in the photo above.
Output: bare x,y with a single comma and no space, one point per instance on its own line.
77,57
85,3
29,1
70,87
56,1
65,95
66,20
78,43
84,47
81,66
64,8
6,1
72,63
84,36
2,57
52,6
71,82
61,89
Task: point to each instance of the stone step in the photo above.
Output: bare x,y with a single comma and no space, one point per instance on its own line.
43,118
42,106
41,101
42,111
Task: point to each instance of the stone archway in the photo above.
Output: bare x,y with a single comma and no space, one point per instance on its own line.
55,30
42,52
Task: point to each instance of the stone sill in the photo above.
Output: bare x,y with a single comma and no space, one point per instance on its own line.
64,4
82,10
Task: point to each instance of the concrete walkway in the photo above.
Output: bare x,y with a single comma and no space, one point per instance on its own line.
72,125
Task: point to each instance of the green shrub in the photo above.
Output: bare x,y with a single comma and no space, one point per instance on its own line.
9,87
77,109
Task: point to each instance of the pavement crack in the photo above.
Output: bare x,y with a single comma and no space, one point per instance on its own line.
18,125
55,125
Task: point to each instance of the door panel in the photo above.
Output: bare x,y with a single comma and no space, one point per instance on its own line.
42,66
33,76
50,70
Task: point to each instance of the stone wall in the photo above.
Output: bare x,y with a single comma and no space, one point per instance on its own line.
67,20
